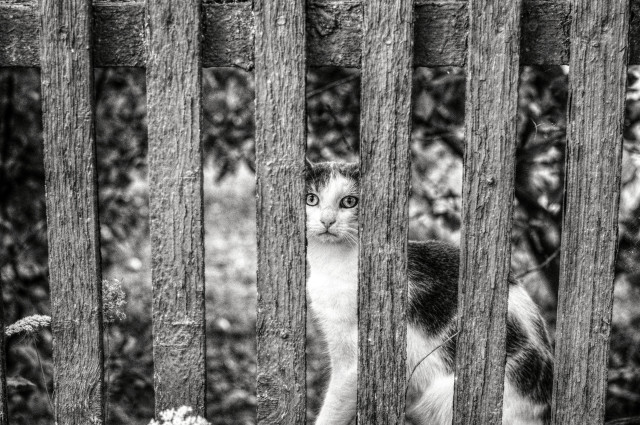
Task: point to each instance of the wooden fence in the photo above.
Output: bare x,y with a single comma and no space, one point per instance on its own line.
279,39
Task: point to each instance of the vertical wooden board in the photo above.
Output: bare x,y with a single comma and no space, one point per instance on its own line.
485,245
384,164
597,83
175,199
280,64
4,411
71,202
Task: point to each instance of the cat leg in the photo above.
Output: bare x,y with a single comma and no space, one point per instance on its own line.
435,405
339,406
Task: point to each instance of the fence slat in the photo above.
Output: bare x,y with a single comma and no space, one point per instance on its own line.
334,33
384,164
487,209
4,411
280,149
71,202
174,100
597,85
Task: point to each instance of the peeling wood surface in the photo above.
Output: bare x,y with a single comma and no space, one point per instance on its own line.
174,97
280,148
385,171
72,218
4,411
487,210
597,85
334,33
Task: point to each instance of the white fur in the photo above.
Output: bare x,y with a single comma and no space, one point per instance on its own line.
332,289
521,305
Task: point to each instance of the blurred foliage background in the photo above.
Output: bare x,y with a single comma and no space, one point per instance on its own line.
333,97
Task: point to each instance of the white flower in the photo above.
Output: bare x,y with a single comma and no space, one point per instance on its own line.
180,416
113,300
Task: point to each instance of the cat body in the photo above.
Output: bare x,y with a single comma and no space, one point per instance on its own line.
332,287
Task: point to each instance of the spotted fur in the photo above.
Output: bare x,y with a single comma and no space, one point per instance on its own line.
432,316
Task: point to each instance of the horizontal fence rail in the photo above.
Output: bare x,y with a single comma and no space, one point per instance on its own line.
597,84
487,210
334,33
72,216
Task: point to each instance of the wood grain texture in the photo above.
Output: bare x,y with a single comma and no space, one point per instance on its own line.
4,411
228,35
487,209
119,34
544,32
72,218
280,148
334,33
385,124
174,96
597,85
441,33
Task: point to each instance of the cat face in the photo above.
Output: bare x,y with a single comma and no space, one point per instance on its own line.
332,197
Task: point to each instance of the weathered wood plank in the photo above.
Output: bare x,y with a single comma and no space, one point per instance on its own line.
597,85
441,33
634,32
4,411
280,148
174,98
334,33
119,34
72,218
20,34
487,210
387,72
228,35
544,32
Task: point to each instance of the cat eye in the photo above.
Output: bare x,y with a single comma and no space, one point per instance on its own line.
312,200
348,202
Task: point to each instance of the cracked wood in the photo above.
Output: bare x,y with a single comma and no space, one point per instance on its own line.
487,210
597,85
280,148
334,33
71,203
384,165
174,97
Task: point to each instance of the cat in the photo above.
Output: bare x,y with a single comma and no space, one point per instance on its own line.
332,253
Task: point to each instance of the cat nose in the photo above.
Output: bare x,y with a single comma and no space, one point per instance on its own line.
328,221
